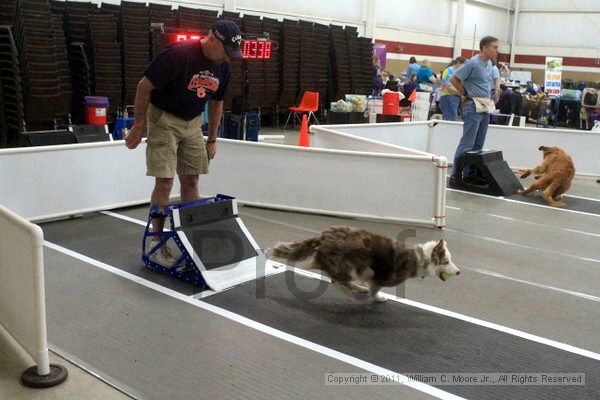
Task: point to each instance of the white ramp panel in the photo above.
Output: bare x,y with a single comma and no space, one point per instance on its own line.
407,137
220,245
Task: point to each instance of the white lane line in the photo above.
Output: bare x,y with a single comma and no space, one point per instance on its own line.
549,342
448,230
538,249
124,218
524,202
501,328
481,271
247,214
539,285
517,220
109,380
453,208
440,394
583,198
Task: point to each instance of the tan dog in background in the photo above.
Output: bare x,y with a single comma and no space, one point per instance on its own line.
553,176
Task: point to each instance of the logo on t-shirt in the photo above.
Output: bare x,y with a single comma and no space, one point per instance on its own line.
203,81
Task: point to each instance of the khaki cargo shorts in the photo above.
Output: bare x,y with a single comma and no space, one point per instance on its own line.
174,145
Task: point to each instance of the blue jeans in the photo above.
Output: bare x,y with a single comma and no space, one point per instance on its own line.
474,130
449,104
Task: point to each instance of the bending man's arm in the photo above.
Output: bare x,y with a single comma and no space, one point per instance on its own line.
142,99
215,109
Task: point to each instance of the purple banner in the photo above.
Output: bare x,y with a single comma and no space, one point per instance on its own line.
381,52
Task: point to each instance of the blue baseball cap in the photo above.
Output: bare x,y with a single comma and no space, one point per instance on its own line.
231,37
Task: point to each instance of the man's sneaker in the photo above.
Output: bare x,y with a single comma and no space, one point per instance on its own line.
163,257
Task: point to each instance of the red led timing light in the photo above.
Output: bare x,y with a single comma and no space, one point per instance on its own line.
251,49
256,49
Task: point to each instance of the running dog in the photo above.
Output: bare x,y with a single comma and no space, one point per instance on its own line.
553,176
347,255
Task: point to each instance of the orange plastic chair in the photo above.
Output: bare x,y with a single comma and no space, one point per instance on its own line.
309,104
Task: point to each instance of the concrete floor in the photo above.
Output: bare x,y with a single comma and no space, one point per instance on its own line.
524,267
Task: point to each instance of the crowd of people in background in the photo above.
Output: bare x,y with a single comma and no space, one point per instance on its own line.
420,77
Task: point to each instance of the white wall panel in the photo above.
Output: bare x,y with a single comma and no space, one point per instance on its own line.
563,5
425,15
559,30
489,21
334,10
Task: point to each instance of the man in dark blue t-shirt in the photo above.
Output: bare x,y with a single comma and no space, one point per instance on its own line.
170,98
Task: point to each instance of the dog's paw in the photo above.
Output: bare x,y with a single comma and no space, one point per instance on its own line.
358,288
521,192
524,173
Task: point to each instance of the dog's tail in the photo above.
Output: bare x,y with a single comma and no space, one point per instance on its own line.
294,251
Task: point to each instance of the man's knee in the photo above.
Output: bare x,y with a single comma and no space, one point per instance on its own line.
188,181
164,185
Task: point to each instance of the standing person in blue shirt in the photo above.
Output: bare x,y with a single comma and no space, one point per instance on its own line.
413,67
495,83
170,98
425,77
472,80
450,100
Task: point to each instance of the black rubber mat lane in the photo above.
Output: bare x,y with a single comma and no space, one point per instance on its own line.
406,339
112,241
573,203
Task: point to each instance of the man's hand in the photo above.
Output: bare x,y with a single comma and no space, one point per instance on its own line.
212,149
496,96
135,137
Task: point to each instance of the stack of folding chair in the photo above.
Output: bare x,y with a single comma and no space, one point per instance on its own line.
272,28
321,66
188,19
42,64
235,93
76,21
58,7
308,74
207,20
80,72
356,74
7,12
10,84
105,60
256,70
135,38
363,84
314,58
112,9
63,111
290,67
341,77
160,14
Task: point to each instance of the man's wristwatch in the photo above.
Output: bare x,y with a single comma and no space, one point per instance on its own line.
211,141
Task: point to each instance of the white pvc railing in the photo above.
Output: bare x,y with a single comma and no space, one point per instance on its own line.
54,181
22,297
519,146
403,185
366,184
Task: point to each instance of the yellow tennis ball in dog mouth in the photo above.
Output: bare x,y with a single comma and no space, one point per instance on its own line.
445,276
